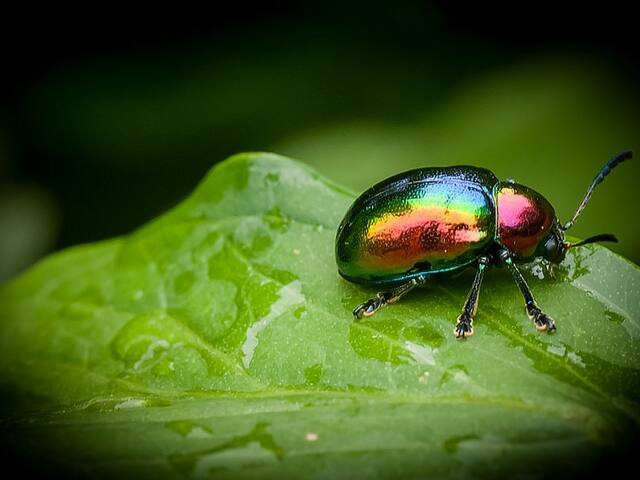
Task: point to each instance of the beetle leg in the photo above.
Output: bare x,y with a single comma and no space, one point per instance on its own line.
370,307
541,320
464,325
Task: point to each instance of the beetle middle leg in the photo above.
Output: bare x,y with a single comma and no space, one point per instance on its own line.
464,325
368,308
541,320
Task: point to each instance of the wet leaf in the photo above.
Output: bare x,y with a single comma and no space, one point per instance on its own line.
218,341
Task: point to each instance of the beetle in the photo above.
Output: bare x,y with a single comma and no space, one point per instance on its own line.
437,221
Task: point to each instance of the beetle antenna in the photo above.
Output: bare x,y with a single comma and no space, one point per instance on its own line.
603,237
604,171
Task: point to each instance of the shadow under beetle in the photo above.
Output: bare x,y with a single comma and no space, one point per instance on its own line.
434,221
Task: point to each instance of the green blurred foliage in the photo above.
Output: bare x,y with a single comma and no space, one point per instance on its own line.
549,124
119,139
28,222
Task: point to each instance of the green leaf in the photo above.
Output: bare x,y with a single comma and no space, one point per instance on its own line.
218,341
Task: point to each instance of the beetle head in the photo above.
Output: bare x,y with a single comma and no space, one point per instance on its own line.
554,248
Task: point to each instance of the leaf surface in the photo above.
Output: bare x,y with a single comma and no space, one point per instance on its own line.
218,341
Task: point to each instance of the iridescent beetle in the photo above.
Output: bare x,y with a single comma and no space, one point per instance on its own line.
433,221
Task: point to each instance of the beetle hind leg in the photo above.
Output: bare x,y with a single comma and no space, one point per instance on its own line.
368,308
464,325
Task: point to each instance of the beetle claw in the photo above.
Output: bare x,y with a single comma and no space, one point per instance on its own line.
368,308
464,326
358,312
542,321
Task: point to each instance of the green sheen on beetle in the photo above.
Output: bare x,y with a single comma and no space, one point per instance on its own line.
426,220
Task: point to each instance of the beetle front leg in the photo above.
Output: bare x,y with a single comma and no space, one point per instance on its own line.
542,321
370,307
464,325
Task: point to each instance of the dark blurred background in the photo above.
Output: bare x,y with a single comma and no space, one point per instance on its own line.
110,116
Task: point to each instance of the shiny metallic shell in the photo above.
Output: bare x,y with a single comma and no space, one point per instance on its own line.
524,219
425,221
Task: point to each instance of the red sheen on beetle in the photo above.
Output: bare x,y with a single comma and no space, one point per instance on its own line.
524,218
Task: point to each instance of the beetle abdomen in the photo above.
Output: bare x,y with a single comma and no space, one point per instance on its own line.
428,220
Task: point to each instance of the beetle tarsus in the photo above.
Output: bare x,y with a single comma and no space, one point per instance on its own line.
542,321
368,308
464,326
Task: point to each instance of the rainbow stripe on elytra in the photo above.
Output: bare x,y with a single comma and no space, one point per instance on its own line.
429,225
